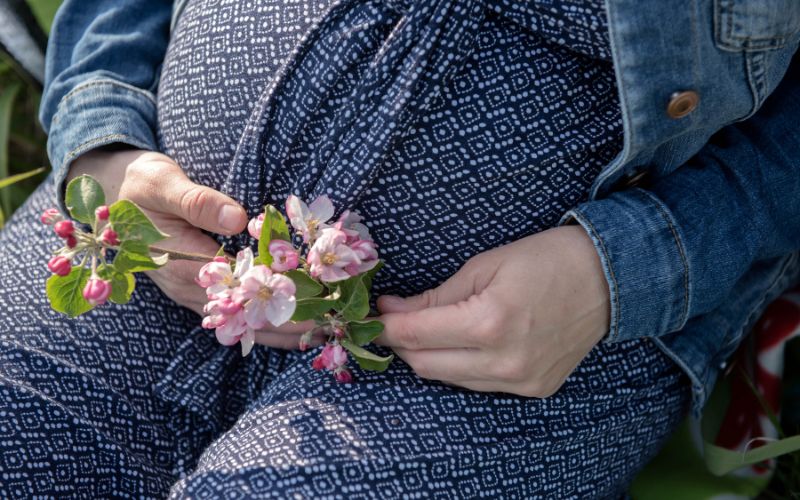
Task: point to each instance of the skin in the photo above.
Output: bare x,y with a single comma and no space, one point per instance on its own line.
515,319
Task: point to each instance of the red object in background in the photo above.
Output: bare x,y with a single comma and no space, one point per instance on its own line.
746,424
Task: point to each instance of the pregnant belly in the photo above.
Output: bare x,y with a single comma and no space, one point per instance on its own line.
508,144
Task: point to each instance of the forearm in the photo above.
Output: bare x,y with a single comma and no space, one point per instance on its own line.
103,64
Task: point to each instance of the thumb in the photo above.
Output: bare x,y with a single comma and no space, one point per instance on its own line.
200,206
458,287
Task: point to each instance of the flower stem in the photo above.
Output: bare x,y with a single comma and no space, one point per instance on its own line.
175,255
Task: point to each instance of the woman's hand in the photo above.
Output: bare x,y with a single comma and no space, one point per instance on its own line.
516,319
180,208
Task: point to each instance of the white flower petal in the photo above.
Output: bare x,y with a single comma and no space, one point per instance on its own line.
279,309
322,209
248,340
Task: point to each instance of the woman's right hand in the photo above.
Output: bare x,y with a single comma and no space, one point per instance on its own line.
180,208
177,206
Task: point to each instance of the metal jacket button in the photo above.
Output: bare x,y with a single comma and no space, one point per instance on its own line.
682,103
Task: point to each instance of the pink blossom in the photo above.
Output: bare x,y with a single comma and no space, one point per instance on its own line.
284,256
60,265
226,318
350,223
330,255
343,376
219,279
72,241
110,237
367,256
97,291
64,228
51,216
309,220
333,356
102,213
254,226
268,298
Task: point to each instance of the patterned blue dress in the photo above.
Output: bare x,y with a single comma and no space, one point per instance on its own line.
453,127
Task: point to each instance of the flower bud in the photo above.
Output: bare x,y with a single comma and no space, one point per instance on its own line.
51,216
97,291
72,241
64,228
338,332
101,213
305,340
59,265
228,306
318,364
343,376
254,226
110,237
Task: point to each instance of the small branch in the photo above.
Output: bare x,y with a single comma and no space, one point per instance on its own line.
175,255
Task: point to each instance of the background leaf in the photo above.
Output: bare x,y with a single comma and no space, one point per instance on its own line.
7,98
66,292
131,223
83,196
8,181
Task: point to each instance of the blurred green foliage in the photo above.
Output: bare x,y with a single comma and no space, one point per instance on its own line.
22,141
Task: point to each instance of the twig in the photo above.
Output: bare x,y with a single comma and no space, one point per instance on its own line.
175,255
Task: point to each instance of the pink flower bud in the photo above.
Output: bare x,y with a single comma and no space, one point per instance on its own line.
97,291
228,307
64,228
254,226
51,216
343,376
60,265
284,256
72,241
101,213
317,364
338,332
333,356
110,237
305,340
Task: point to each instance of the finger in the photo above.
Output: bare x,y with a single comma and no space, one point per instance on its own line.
451,365
458,287
199,205
457,325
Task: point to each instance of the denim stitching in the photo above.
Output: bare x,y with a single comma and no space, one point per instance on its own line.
679,243
581,217
105,81
79,150
722,9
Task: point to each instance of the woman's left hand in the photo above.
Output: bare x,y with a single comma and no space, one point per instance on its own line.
515,319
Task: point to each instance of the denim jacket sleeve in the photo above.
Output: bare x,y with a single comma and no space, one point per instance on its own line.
674,251
102,70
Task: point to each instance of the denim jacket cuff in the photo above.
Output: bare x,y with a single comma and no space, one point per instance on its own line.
95,114
644,261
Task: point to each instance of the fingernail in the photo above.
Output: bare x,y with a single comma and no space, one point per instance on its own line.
229,218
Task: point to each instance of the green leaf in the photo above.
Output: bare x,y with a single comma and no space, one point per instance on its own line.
83,196
20,177
7,98
122,287
122,283
368,360
131,223
66,292
369,276
274,228
354,303
314,307
721,461
305,284
364,332
134,256
220,252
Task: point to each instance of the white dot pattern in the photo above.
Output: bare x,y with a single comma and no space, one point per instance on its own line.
507,112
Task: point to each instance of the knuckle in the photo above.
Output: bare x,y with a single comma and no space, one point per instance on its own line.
193,202
514,370
428,298
489,329
408,337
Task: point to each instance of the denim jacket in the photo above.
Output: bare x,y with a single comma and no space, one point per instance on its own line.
696,222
